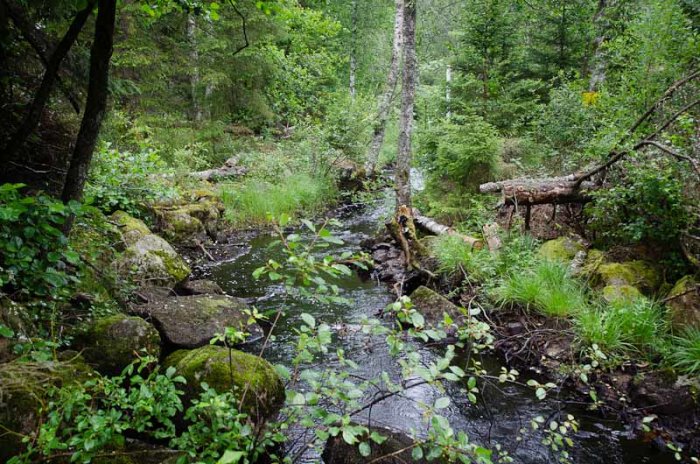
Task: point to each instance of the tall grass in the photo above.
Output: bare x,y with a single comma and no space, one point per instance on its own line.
251,201
627,325
684,352
546,287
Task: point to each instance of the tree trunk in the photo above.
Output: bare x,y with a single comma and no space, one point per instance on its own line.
96,103
390,88
353,49
527,192
33,116
39,43
194,60
597,74
448,97
410,68
430,225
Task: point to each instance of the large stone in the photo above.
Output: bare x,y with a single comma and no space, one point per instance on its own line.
433,306
111,343
132,229
397,448
639,274
24,390
621,293
560,249
264,391
152,262
179,226
201,287
683,303
192,321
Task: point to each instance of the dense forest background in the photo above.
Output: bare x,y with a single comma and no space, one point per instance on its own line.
201,119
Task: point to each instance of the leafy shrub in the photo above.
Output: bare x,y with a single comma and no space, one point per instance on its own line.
622,326
126,181
462,150
34,254
685,352
644,202
546,287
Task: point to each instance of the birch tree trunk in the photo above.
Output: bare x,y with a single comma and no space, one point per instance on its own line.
597,76
194,59
96,103
353,50
408,79
389,89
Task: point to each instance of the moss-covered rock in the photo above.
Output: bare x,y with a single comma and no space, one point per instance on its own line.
151,261
23,390
639,274
179,226
110,343
192,321
201,287
132,229
210,364
560,249
620,293
683,303
594,259
433,306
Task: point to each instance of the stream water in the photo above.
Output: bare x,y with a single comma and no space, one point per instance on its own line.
495,419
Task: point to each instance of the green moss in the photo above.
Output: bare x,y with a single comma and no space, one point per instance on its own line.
561,249
433,306
684,304
179,225
210,365
634,273
174,265
620,293
132,229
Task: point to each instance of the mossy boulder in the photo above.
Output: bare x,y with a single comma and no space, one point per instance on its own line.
201,287
179,226
396,449
683,303
620,293
192,321
560,249
433,306
210,364
639,274
111,343
188,221
152,262
24,389
131,229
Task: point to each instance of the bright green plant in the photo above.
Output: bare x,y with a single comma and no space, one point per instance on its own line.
685,352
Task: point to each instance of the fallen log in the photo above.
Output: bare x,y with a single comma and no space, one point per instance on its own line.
231,168
429,225
528,192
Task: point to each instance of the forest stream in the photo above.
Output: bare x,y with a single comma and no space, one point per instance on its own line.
496,420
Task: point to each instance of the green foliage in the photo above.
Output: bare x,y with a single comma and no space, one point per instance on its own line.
35,258
646,203
684,352
127,181
622,326
545,287
252,201
461,151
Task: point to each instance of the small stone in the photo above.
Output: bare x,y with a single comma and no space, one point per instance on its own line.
201,287
433,306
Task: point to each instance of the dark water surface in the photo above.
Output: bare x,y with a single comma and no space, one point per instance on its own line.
497,417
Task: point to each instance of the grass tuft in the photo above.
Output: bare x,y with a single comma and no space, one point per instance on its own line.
684,353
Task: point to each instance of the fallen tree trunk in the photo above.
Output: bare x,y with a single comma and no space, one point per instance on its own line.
229,169
429,225
528,192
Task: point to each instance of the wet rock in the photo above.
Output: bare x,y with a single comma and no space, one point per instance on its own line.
683,302
148,259
337,451
433,306
192,321
201,287
560,249
210,364
24,388
111,343
657,392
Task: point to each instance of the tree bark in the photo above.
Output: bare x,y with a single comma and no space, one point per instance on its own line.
390,87
33,116
96,103
431,226
410,69
194,60
39,43
597,74
353,50
528,192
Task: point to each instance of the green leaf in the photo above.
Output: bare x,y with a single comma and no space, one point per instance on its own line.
6,331
308,320
231,457
417,453
365,449
442,403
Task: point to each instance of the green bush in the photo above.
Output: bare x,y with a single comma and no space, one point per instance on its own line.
122,180
35,258
462,151
643,203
